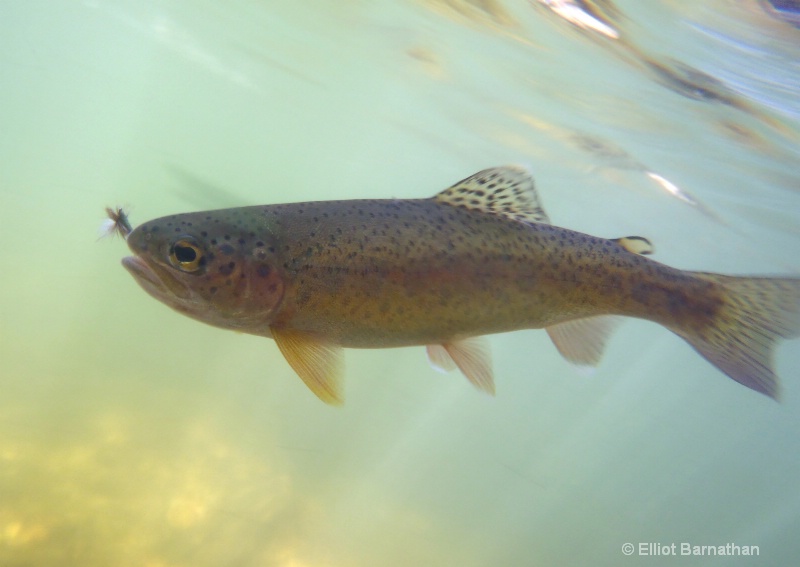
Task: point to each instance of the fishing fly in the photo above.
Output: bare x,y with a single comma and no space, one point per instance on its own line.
117,223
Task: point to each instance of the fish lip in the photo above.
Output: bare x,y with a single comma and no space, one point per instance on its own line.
141,271
155,280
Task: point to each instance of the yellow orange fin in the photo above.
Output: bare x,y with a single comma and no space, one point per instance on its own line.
318,364
507,191
581,341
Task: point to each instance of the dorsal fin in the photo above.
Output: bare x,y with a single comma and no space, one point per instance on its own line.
506,191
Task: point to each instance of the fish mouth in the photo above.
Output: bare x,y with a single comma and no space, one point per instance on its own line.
156,281
140,270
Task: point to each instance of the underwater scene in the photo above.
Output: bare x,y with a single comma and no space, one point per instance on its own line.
132,435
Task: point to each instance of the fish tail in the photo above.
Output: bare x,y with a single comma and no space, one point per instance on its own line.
741,337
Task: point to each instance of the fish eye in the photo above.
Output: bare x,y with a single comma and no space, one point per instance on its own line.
185,255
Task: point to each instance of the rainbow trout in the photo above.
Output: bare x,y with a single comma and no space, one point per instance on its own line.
480,257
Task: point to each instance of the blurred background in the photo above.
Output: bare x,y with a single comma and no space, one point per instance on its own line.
133,436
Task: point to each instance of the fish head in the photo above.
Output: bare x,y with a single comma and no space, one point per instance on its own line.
219,267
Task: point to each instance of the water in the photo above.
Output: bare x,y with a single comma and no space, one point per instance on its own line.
132,436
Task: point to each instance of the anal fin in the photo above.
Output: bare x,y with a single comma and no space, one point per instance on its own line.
317,363
581,341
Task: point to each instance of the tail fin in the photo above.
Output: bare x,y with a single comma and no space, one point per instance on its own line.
755,314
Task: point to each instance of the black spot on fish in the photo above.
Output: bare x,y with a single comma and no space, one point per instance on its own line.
227,269
227,249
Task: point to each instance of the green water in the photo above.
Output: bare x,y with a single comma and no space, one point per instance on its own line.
132,436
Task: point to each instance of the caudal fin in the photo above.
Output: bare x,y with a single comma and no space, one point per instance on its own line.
756,313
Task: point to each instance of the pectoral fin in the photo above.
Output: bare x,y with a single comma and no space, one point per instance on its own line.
471,356
581,341
318,364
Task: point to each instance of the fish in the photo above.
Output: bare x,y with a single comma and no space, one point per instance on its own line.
479,258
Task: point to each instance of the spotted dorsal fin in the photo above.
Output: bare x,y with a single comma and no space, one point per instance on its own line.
506,191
